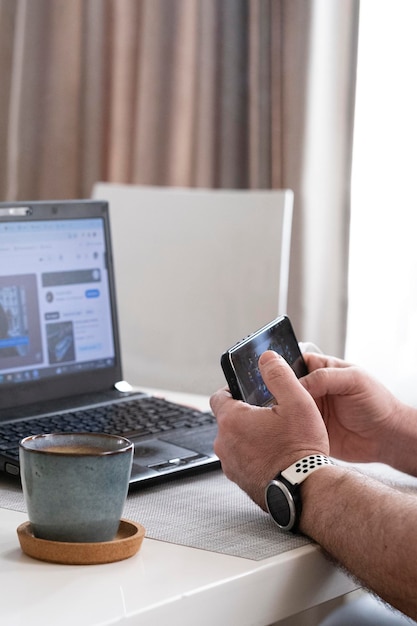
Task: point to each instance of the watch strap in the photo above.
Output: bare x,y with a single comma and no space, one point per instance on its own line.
299,471
282,494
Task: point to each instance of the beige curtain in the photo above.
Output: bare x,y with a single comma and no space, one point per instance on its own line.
212,93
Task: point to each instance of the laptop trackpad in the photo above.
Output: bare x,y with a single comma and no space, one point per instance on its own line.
158,454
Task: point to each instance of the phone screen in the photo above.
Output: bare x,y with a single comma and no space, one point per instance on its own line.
278,336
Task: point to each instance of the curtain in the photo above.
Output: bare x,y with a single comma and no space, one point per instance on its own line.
208,93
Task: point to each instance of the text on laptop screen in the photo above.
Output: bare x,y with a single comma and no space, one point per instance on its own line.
55,312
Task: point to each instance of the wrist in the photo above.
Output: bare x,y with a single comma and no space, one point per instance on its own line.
283,494
399,444
315,493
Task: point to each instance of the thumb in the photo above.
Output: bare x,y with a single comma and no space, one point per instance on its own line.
276,372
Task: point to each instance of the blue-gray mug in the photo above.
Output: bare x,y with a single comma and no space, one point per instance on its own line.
75,484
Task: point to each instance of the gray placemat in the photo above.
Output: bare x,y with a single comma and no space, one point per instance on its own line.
205,511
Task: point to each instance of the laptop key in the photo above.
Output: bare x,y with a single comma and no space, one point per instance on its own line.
143,416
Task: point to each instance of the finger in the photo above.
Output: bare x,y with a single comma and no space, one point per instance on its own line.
221,400
315,361
331,381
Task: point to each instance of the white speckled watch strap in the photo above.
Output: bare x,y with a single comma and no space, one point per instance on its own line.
299,471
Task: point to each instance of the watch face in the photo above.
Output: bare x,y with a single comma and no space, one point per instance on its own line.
281,505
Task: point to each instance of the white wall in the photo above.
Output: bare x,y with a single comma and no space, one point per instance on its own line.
382,321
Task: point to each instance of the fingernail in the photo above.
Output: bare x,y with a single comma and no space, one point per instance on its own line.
267,356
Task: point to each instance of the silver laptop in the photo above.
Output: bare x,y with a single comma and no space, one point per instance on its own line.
60,361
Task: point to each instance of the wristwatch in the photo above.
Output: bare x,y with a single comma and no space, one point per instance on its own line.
282,494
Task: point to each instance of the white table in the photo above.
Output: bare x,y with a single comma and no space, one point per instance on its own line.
163,584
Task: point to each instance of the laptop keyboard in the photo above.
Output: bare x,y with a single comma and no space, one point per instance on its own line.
132,418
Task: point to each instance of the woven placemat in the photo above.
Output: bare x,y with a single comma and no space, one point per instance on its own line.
205,511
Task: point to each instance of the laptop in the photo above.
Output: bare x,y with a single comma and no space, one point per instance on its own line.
60,361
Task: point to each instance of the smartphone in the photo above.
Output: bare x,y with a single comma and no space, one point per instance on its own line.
240,363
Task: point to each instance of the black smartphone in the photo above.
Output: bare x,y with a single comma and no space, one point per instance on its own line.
240,363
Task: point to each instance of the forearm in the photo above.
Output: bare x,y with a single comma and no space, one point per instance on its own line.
400,445
368,528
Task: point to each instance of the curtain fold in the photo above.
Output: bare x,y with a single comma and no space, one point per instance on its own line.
209,93
314,141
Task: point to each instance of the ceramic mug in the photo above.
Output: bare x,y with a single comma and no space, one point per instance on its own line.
75,484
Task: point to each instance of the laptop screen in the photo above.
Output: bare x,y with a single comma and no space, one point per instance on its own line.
57,310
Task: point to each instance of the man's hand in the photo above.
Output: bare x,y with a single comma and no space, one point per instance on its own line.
360,414
255,443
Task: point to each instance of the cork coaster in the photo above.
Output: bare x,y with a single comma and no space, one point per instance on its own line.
126,543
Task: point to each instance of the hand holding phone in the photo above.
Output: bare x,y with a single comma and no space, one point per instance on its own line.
240,363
